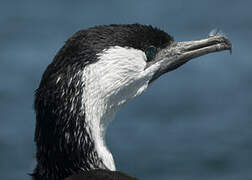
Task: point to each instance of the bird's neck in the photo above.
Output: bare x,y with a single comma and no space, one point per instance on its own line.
70,132
79,147
97,120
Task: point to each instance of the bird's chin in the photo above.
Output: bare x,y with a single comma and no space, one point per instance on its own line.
179,53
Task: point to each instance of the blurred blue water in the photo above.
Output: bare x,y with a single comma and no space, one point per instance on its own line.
193,123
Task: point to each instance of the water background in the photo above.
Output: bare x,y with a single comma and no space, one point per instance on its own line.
192,124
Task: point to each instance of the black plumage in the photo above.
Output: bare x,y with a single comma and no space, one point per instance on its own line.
63,144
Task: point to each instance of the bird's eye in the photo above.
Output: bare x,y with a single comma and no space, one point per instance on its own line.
150,53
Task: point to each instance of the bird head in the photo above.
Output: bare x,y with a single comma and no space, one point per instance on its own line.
106,66
130,57
93,74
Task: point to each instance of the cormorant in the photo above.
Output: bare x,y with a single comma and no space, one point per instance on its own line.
97,71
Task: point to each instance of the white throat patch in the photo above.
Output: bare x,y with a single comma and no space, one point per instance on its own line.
117,77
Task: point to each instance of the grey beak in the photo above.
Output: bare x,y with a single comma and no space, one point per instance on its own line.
179,53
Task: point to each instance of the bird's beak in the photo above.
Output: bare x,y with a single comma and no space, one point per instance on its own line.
178,53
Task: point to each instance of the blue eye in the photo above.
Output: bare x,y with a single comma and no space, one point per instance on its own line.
150,53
